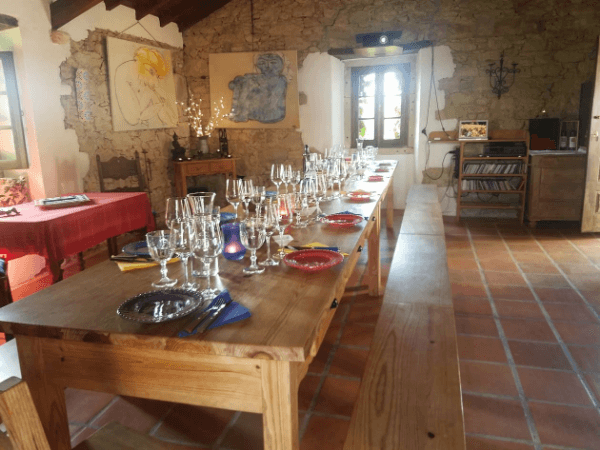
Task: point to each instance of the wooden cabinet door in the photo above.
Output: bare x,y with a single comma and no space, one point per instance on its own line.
590,220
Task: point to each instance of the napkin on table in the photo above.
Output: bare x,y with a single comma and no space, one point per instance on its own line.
125,266
309,246
234,312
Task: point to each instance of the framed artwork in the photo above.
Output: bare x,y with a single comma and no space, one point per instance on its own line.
255,89
142,90
473,130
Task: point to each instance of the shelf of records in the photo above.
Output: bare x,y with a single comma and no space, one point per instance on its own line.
500,168
493,184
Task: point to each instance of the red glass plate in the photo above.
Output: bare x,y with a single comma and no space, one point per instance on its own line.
375,178
313,260
359,196
342,220
382,169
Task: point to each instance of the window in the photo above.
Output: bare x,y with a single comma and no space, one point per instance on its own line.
12,140
380,105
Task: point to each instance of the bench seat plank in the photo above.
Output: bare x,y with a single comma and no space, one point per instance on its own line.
419,272
425,218
422,193
410,392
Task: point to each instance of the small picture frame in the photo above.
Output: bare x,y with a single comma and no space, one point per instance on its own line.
473,130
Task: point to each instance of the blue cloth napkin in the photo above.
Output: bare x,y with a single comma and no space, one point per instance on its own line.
225,217
271,193
234,312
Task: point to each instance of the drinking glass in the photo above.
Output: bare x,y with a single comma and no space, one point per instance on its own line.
286,176
201,202
258,197
183,238
252,233
233,193
247,189
295,179
161,251
208,245
284,214
277,175
320,190
178,209
301,203
270,218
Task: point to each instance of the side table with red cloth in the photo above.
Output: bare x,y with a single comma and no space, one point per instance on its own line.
58,233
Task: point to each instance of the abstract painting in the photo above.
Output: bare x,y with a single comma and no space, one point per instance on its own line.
258,89
142,90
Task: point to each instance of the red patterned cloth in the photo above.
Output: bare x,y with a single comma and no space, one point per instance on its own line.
57,233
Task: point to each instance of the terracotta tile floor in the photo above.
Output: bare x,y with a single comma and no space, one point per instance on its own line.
527,310
529,347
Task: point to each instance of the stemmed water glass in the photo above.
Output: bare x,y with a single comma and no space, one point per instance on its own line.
320,190
178,209
271,224
233,193
208,245
183,239
161,251
258,197
284,214
301,203
295,179
247,189
201,202
277,175
286,176
252,234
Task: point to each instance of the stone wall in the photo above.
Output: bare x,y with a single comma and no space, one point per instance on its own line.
97,136
553,41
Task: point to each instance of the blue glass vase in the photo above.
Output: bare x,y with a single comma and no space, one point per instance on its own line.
232,248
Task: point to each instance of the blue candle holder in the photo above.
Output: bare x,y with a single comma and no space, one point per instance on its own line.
232,248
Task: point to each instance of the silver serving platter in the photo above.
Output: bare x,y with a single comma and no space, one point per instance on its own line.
160,306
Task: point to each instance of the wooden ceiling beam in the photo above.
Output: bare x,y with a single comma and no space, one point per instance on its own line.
112,4
63,11
207,8
150,7
181,8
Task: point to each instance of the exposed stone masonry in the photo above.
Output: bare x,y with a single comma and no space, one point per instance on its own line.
554,43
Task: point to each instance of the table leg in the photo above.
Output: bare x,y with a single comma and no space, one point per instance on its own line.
280,405
374,262
390,207
48,396
56,270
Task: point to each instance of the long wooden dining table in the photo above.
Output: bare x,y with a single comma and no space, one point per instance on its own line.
69,335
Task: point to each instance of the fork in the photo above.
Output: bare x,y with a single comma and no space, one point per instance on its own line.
189,328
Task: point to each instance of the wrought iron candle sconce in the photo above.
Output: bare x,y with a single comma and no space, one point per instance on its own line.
498,76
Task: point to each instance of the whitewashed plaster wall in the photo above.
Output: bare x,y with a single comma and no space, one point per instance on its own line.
56,165
321,79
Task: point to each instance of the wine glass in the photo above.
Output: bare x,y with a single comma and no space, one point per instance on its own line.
270,218
208,245
178,209
161,251
320,190
284,214
201,202
277,176
295,179
258,197
183,237
301,203
233,193
252,234
286,176
246,190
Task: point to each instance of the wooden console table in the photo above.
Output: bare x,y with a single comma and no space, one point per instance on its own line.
186,169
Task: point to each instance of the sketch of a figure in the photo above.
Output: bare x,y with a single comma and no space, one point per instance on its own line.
260,96
140,95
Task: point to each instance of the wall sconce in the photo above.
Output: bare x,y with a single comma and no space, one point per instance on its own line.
499,74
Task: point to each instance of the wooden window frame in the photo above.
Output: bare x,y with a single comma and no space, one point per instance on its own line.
14,106
404,70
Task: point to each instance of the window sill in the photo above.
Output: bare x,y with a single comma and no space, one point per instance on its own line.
395,151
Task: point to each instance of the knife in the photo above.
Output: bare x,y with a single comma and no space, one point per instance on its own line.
210,320
131,258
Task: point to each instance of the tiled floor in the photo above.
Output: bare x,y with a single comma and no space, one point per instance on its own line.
526,304
527,307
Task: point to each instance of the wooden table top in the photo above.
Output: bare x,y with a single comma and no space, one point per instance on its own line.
286,304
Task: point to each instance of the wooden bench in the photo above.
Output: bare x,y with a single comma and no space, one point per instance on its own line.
410,396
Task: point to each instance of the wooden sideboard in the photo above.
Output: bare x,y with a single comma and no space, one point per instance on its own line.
556,187
193,168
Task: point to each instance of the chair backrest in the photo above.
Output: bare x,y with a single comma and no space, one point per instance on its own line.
5,295
121,168
20,417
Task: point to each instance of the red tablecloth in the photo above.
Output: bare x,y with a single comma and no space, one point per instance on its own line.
57,233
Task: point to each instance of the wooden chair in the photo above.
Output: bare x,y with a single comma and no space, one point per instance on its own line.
120,168
5,295
25,430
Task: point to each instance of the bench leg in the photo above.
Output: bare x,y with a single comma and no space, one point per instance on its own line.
280,405
390,207
374,262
